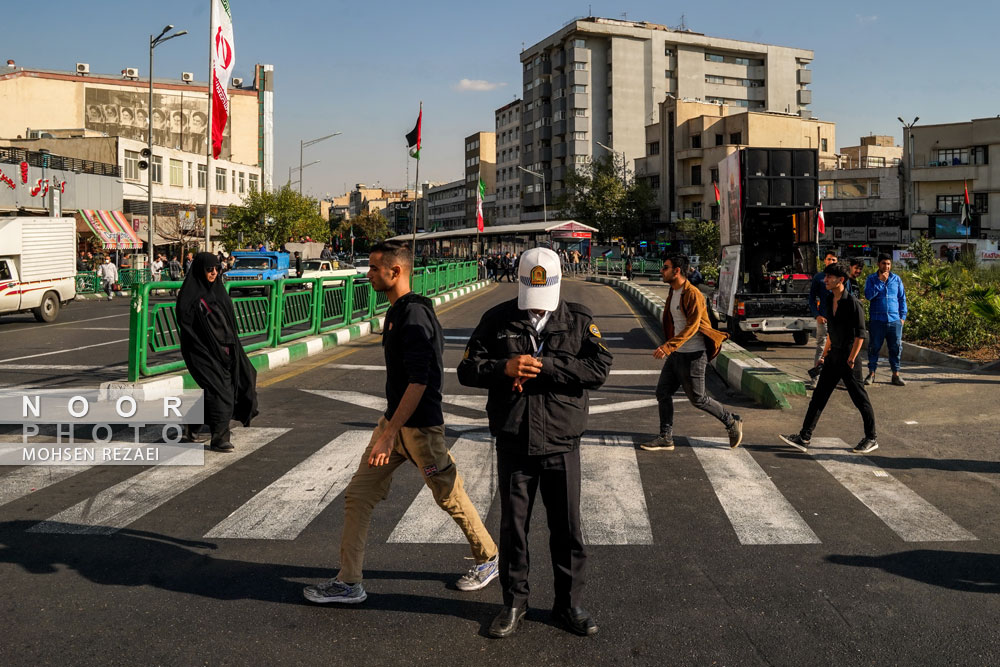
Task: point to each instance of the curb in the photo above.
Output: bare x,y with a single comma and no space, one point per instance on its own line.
268,360
742,370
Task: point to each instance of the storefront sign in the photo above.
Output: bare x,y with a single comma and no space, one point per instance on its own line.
6,181
571,235
850,234
883,234
990,256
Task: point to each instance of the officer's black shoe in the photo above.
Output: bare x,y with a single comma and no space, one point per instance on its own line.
193,433
507,621
575,619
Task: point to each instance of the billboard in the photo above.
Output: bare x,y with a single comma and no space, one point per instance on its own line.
179,121
730,196
729,278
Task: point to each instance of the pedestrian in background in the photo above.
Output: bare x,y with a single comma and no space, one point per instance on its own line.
887,313
412,429
108,274
817,301
694,276
846,327
853,288
156,268
212,350
538,356
691,343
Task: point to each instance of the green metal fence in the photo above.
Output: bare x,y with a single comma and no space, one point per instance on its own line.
274,312
87,282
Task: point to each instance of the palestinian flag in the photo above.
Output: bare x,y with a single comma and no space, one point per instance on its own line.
413,137
718,197
480,196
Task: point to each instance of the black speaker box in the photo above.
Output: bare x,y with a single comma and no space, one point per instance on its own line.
804,164
780,163
781,192
806,192
758,192
757,161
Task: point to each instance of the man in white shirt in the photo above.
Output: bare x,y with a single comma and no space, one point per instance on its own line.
108,273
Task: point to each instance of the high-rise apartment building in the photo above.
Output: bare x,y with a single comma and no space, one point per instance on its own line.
480,163
508,181
600,81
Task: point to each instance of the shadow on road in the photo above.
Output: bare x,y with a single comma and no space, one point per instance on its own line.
957,570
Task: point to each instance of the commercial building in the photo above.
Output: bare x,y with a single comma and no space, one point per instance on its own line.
508,178
446,206
601,81
683,150
480,164
873,151
863,209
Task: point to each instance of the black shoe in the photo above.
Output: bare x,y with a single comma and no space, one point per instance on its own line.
866,445
796,441
507,621
194,434
224,446
575,619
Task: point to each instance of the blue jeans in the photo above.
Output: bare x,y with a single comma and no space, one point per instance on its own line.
892,334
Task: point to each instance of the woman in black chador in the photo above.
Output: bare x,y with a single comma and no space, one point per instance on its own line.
212,350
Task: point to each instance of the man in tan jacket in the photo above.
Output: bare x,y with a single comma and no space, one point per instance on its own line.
691,343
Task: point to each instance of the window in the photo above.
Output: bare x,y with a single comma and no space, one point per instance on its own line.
736,138
953,156
667,51
579,136
653,148
668,74
559,115
872,162
242,183
981,202
822,145
190,176
695,141
980,155
202,176
826,189
579,66
579,88
718,138
232,181
579,44
850,189
176,173
715,58
950,203
654,182
156,167
873,188
220,179
581,159
579,113
696,174
714,214
696,210
131,165
714,79
714,175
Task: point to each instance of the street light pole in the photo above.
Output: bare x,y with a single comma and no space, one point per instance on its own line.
153,43
908,147
302,147
545,215
292,170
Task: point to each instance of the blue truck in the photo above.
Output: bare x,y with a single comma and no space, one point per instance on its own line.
258,265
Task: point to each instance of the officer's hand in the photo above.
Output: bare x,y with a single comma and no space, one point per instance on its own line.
523,366
659,353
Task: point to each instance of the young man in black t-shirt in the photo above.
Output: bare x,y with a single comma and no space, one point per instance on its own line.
412,429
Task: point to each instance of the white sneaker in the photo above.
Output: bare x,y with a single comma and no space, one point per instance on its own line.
335,590
480,575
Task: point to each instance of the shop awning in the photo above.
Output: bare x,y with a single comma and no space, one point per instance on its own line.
112,229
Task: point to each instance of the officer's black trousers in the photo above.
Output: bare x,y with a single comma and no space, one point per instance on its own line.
558,477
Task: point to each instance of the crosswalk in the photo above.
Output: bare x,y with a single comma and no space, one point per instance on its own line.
613,497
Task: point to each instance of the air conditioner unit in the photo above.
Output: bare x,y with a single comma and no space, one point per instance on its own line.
187,77
83,68
237,82
131,73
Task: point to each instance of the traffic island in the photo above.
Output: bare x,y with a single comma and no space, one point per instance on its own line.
742,370
267,360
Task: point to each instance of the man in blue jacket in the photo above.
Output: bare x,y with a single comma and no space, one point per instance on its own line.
817,306
887,314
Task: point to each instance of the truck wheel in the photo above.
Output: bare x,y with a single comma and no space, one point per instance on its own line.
800,337
49,308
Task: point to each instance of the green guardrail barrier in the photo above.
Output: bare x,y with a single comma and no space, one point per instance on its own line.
87,282
270,312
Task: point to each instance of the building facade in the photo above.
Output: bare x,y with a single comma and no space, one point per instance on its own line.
863,210
480,163
600,81
446,206
874,151
508,177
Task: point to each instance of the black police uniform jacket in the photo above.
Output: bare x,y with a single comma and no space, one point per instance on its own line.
550,414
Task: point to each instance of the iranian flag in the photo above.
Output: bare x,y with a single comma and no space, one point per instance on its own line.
820,220
223,60
413,137
480,196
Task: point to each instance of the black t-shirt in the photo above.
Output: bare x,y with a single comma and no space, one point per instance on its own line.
846,324
413,344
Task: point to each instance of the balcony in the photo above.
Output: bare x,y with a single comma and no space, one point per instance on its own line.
805,76
559,150
940,171
805,97
690,190
545,153
690,153
545,132
559,128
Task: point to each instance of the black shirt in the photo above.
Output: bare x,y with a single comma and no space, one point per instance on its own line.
413,344
846,324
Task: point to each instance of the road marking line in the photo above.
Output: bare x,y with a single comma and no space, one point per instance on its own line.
424,522
101,328
757,510
612,502
290,503
128,501
58,367
380,404
62,324
897,505
29,479
375,367
654,337
73,349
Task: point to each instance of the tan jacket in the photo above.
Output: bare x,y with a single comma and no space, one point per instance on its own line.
696,312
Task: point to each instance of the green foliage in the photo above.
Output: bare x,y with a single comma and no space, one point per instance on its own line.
704,235
922,251
272,217
709,271
933,278
605,194
369,228
985,302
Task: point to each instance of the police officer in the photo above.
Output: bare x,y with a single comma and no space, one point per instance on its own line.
538,356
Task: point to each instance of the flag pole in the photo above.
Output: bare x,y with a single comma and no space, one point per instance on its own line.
208,148
416,188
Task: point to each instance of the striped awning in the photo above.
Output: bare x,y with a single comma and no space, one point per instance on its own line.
112,229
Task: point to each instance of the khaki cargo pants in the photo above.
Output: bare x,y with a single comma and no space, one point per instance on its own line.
425,448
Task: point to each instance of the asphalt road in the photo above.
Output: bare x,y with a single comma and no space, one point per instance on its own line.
702,555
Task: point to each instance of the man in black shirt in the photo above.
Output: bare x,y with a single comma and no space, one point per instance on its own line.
412,429
846,334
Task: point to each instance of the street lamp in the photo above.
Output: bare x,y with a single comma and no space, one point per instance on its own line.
624,164
302,147
153,43
292,170
908,147
545,215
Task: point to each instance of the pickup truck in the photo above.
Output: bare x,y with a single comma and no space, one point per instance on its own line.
37,265
323,268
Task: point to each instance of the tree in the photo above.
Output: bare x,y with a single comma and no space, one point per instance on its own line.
271,218
370,227
605,194
704,236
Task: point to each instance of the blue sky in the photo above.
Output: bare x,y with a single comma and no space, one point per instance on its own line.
363,68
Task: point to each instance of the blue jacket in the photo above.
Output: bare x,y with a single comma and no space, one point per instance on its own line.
817,295
888,299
